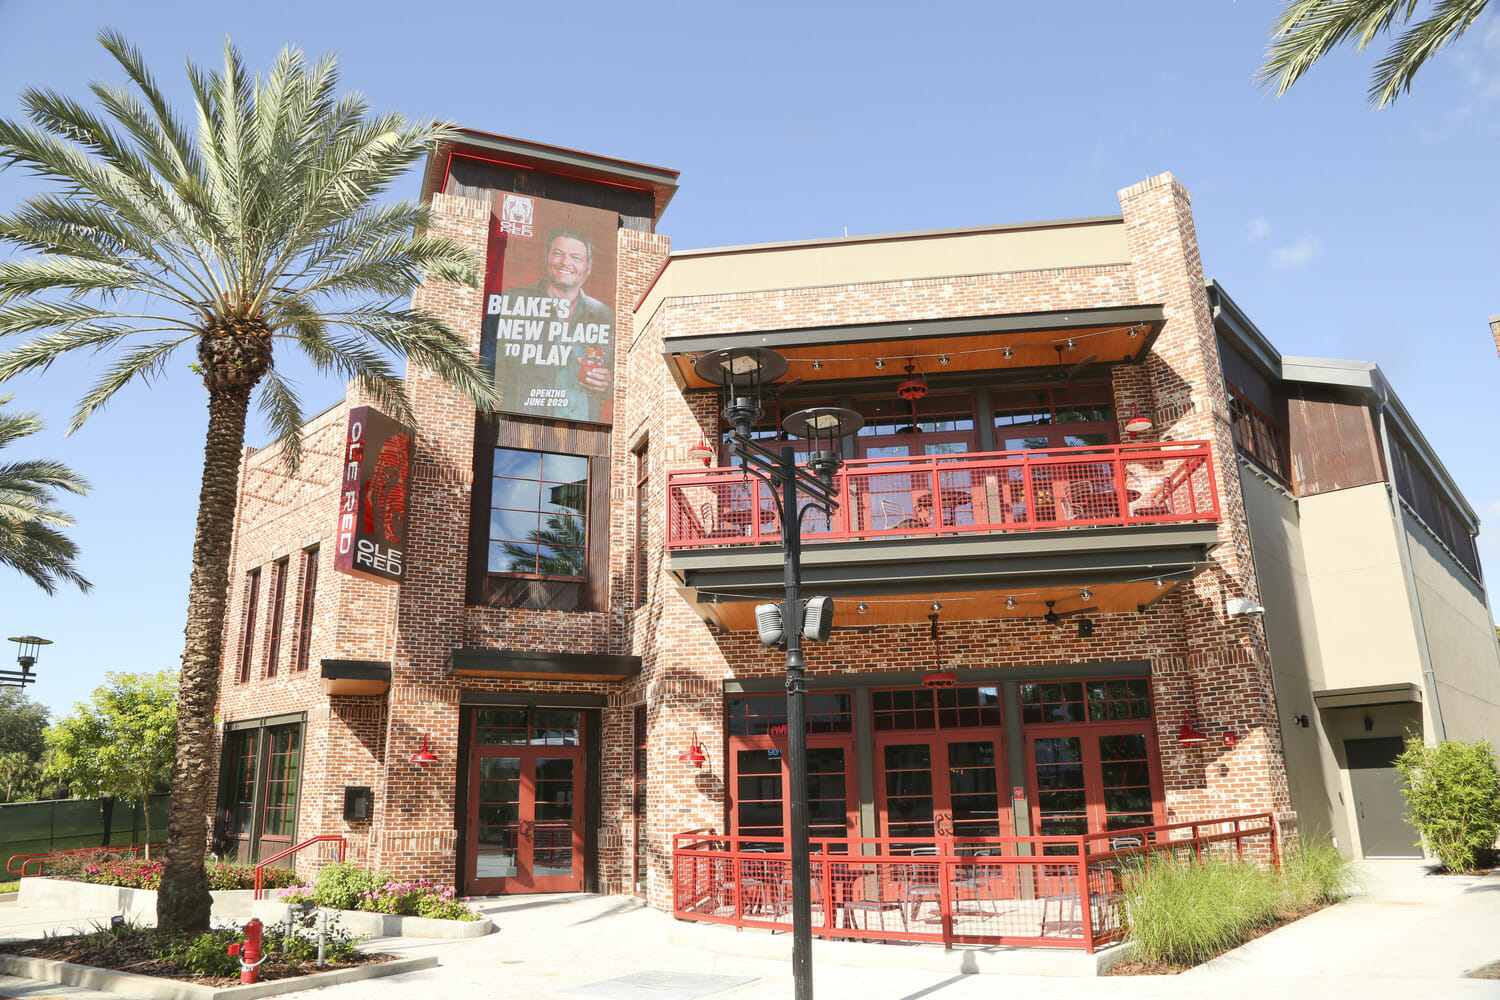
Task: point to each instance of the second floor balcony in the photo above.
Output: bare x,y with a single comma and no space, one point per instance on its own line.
1004,533
963,494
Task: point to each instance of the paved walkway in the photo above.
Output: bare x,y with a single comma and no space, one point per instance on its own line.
1406,935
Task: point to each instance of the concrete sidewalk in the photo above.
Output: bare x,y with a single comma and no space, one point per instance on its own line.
1407,935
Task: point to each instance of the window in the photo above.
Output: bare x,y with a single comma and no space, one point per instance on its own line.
765,714
539,515
639,799
278,602
640,574
1063,416
305,613
1258,436
537,727
247,637
941,708
939,424
261,787
1111,700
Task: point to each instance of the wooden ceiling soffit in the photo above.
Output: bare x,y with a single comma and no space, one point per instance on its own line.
1027,343
355,677
542,666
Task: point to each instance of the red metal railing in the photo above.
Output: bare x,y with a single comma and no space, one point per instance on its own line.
113,852
260,870
1061,892
1003,491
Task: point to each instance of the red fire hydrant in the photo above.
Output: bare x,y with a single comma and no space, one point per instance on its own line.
249,952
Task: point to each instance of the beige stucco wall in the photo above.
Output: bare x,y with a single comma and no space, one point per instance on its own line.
1354,571
1460,639
1291,625
856,260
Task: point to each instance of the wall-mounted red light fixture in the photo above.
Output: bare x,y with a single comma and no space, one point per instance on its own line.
1188,736
701,450
424,755
694,754
1230,739
939,679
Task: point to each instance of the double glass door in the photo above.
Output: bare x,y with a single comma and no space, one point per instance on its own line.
526,804
759,806
940,787
1088,781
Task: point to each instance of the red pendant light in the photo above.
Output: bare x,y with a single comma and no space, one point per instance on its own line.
701,450
424,755
914,387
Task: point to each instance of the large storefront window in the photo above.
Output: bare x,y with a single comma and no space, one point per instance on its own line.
758,780
1066,416
261,788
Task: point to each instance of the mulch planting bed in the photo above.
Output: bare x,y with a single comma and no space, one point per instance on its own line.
1139,967
133,953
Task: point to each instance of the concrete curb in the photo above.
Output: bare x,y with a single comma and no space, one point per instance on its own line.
150,988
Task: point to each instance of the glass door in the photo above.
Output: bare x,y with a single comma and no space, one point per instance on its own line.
1090,782
526,802
758,807
933,788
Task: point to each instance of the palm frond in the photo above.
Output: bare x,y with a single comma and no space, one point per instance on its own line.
1307,30
30,540
283,413
144,363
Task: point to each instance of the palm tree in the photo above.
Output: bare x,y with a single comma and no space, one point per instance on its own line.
30,542
1308,29
258,224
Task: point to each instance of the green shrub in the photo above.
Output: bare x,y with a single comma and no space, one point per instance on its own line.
1313,874
341,885
444,909
1186,913
204,955
1452,798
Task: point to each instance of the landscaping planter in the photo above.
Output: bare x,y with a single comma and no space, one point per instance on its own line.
238,904
151,988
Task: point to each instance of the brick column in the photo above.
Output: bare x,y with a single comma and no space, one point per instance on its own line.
1224,684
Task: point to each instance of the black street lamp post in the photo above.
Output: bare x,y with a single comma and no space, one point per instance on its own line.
742,372
26,650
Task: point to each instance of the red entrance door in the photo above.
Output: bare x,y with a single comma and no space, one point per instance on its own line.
941,786
526,811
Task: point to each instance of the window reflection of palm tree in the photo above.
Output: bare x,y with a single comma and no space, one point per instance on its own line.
557,549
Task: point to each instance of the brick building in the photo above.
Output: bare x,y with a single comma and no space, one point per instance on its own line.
1087,492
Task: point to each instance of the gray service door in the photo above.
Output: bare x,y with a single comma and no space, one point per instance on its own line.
1383,830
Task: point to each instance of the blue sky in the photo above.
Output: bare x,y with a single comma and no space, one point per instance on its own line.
1342,232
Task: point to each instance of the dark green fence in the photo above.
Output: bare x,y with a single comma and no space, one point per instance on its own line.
66,824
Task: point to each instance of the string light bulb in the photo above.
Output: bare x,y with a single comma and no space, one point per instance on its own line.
936,606
880,362
1160,583
862,608
1010,604
1007,354
1071,345
1086,594
943,359
817,366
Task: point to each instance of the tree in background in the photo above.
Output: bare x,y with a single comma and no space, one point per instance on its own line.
1307,30
22,723
30,542
120,741
254,221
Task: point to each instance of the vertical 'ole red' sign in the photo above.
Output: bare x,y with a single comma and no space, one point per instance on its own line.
372,503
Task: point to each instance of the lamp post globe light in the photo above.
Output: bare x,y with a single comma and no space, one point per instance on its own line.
742,373
26,650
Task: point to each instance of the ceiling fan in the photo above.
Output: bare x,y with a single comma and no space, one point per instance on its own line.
1042,375
1055,617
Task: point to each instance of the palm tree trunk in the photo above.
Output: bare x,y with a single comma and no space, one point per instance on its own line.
183,903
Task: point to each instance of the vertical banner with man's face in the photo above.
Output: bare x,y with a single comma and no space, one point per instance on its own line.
549,308
371,540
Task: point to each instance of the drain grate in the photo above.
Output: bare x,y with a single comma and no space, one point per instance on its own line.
658,986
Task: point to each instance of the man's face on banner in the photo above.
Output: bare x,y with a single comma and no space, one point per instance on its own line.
567,265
